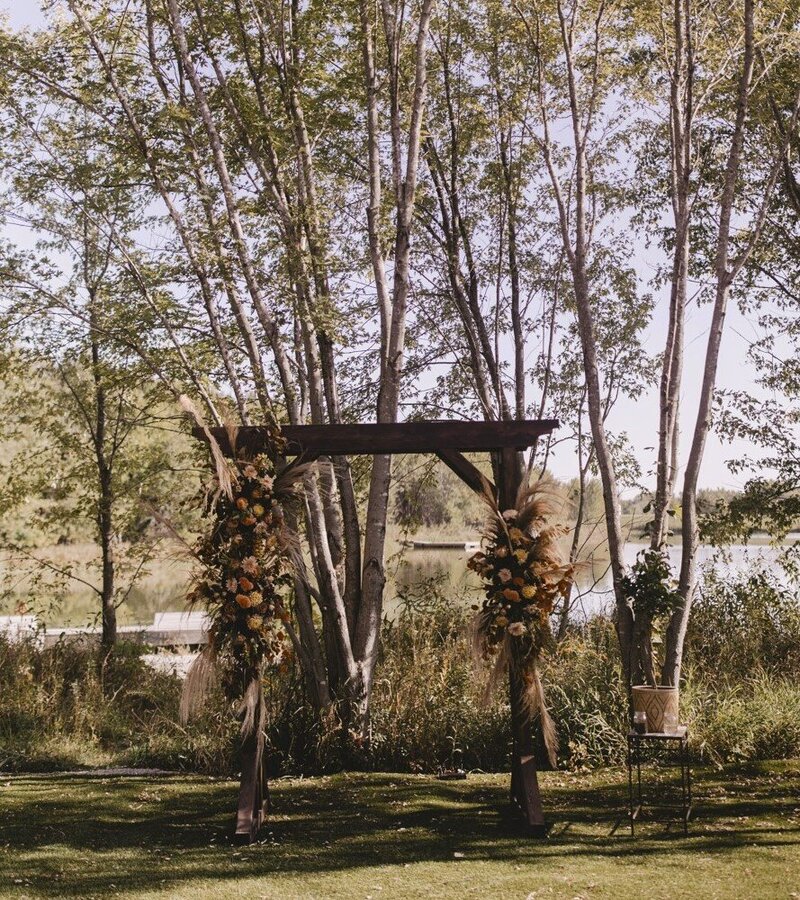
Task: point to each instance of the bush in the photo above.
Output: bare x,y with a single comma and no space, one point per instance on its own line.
428,707
758,718
587,697
744,625
66,707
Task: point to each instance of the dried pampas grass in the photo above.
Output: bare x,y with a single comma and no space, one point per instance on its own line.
201,678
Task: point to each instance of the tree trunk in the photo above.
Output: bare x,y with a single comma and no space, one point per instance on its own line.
676,630
392,307
105,502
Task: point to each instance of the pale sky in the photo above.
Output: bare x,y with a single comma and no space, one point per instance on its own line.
638,418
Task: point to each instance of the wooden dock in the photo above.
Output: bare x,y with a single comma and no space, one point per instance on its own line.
169,629
470,546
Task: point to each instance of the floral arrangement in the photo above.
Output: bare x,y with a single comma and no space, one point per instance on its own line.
524,573
247,563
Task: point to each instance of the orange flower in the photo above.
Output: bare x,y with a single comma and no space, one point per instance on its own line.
249,520
241,503
243,600
245,584
513,596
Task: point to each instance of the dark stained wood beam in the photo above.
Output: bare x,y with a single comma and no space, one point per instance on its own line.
400,437
469,474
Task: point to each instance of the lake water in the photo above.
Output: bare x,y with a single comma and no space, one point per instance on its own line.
447,569
412,577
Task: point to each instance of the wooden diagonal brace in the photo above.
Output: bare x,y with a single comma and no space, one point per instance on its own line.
469,474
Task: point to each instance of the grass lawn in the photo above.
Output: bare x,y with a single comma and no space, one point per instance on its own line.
394,836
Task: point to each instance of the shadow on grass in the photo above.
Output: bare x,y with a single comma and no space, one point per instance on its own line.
137,833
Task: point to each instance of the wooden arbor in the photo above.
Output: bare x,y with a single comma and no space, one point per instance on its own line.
448,440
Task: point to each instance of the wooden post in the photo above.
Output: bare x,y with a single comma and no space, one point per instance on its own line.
524,781
253,789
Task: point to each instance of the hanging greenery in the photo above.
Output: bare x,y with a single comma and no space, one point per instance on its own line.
524,573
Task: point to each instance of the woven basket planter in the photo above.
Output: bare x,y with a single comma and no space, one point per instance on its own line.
656,702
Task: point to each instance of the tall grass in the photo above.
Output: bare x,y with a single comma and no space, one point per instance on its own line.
66,707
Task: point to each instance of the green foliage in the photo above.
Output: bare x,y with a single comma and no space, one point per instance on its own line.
650,584
586,696
429,709
745,624
66,706
69,706
757,717
423,498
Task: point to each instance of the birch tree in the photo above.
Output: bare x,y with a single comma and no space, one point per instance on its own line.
220,109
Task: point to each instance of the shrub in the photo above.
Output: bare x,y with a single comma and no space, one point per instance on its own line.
428,707
66,707
743,625
758,718
586,696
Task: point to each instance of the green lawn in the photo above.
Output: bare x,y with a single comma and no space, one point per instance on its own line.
394,836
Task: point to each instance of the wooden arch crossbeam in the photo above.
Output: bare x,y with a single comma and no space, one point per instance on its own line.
448,440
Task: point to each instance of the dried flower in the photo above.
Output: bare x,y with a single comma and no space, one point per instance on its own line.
504,575
517,629
250,565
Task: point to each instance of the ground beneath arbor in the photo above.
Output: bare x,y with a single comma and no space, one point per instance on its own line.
394,836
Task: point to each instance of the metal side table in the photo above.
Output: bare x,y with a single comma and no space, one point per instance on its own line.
635,742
